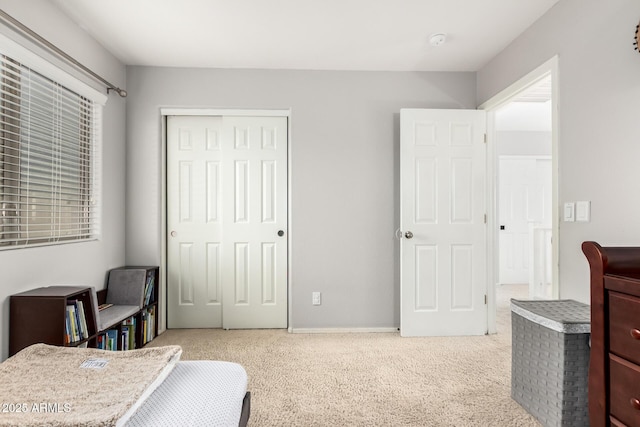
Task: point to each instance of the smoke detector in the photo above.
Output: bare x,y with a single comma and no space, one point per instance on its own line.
437,39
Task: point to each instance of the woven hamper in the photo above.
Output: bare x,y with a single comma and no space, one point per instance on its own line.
550,360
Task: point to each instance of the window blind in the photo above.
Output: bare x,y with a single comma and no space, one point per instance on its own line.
48,160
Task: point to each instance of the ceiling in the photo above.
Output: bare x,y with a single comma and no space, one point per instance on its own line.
384,35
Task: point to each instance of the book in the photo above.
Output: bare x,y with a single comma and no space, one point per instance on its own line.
148,324
152,324
130,325
84,330
112,339
71,314
67,328
124,339
148,290
144,327
77,326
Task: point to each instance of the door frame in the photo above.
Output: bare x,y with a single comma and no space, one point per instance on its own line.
549,68
186,111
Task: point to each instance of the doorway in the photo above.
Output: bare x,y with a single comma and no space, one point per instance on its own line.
539,87
226,221
522,130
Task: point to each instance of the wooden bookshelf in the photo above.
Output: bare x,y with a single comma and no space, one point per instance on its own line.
143,332
40,316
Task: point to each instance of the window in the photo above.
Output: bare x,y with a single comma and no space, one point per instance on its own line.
48,160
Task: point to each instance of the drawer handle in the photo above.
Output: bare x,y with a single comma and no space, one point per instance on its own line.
635,403
635,334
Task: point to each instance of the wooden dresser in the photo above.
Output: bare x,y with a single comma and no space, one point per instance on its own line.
614,367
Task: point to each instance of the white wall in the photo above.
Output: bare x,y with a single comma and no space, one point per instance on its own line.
345,146
523,143
78,263
524,116
599,130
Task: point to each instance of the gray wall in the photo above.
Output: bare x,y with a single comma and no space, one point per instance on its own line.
77,263
345,157
599,130
344,161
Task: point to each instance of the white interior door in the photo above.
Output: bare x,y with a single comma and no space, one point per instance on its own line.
194,221
516,185
443,221
524,195
255,204
226,219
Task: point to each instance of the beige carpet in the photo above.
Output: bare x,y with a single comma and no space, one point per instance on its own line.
369,379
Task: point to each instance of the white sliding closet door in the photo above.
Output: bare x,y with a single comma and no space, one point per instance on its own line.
227,218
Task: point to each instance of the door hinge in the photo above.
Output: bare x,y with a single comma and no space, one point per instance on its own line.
485,138
485,218
485,299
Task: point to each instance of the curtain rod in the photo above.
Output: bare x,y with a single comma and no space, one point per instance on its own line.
26,31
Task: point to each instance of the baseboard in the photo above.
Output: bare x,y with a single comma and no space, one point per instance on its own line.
340,330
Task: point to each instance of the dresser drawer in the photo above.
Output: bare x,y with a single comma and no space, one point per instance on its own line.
624,326
624,383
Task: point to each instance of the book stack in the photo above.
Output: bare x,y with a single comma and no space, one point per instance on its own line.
108,340
75,322
148,288
148,324
128,338
124,339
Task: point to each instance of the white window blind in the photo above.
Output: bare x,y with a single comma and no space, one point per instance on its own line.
48,160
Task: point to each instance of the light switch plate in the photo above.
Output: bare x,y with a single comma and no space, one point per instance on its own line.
583,211
569,214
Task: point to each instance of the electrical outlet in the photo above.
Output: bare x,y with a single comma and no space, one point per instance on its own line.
316,298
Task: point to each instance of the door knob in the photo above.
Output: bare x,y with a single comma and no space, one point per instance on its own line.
408,235
173,234
280,233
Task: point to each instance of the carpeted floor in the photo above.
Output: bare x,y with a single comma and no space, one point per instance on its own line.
376,379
